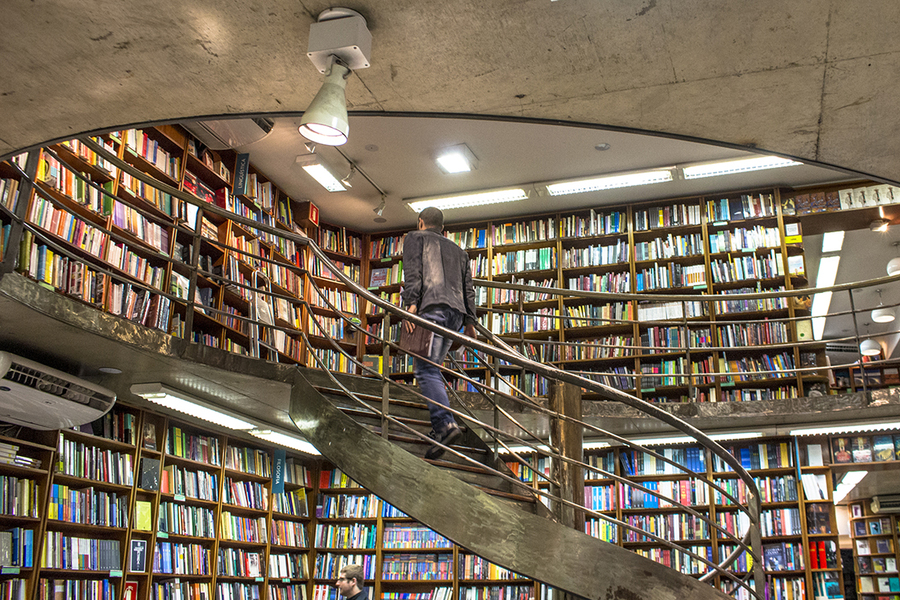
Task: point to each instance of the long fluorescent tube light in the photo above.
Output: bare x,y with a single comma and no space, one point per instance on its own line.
456,159
744,435
466,200
832,241
850,428
729,167
318,169
175,400
282,439
609,182
825,277
849,481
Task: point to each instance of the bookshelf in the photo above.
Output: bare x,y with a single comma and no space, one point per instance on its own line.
740,241
874,539
799,532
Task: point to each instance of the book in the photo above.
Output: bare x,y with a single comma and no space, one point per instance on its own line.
379,276
131,590
859,528
149,474
818,518
864,564
143,515
773,557
841,450
137,558
883,448
862,548
884,546
814,455
418,342
862,449
148,436
875,527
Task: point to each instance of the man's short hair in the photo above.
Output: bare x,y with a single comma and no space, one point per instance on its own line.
433,218
354,572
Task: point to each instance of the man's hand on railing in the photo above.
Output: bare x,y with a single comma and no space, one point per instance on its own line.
409,325
468,331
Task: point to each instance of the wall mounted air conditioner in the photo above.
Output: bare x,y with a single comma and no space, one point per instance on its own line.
229,133
886,504
40,397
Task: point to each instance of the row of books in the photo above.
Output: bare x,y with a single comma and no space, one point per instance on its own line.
343,506
88,506
413,536
181,519
357,535
246,494
745,206
243,529
680,561
863,448
90,462
289,533
669,247
202,448
664,217
68,552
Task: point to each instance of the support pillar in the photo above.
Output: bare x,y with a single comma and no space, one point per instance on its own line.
567,438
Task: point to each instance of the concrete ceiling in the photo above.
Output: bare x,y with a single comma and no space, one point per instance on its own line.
812,79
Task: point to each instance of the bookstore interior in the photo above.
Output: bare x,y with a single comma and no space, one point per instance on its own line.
143,502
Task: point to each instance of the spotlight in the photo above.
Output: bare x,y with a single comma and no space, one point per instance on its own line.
339,42
346,180
379,210
879,225
325,121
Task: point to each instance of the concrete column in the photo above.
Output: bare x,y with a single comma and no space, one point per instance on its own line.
567,438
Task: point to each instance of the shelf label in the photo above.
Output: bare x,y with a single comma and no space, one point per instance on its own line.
285,580
701,286
259,579
793,239
720,223
115,573
728,384
179,498
162,535
643,390
9,570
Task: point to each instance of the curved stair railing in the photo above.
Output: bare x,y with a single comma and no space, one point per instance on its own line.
509,536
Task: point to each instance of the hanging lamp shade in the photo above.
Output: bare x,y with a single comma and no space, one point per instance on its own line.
883,315
325,121
893,266
870,348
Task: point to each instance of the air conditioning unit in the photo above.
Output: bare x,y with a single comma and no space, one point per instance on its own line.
39,397
886,504
229,133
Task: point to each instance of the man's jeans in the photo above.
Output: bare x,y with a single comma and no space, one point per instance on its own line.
429,377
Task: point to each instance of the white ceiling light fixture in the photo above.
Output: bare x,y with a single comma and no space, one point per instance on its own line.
870,347
879,225
893,266
882,314
283,439
339,43
456,159
321,171
832,241
449,202
730,167
850,480
610,182
846,428
184,403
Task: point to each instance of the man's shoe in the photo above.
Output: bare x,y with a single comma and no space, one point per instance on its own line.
447,437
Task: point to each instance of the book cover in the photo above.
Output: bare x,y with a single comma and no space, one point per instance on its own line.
379,277
859,528
818,518
143,515
773,557
418,342
862,548
883,447
862,449
841,450
814,455
884,546
864,564
148,436
875,527
137,558
149,474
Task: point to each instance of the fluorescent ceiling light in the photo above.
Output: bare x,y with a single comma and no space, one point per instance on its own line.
851,428
729,167
282,439
832,241
827,272
465,200
319,170
820,304
456,159
850,480
745,435
609,182
181,402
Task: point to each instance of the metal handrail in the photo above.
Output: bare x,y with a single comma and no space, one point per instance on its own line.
499,349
